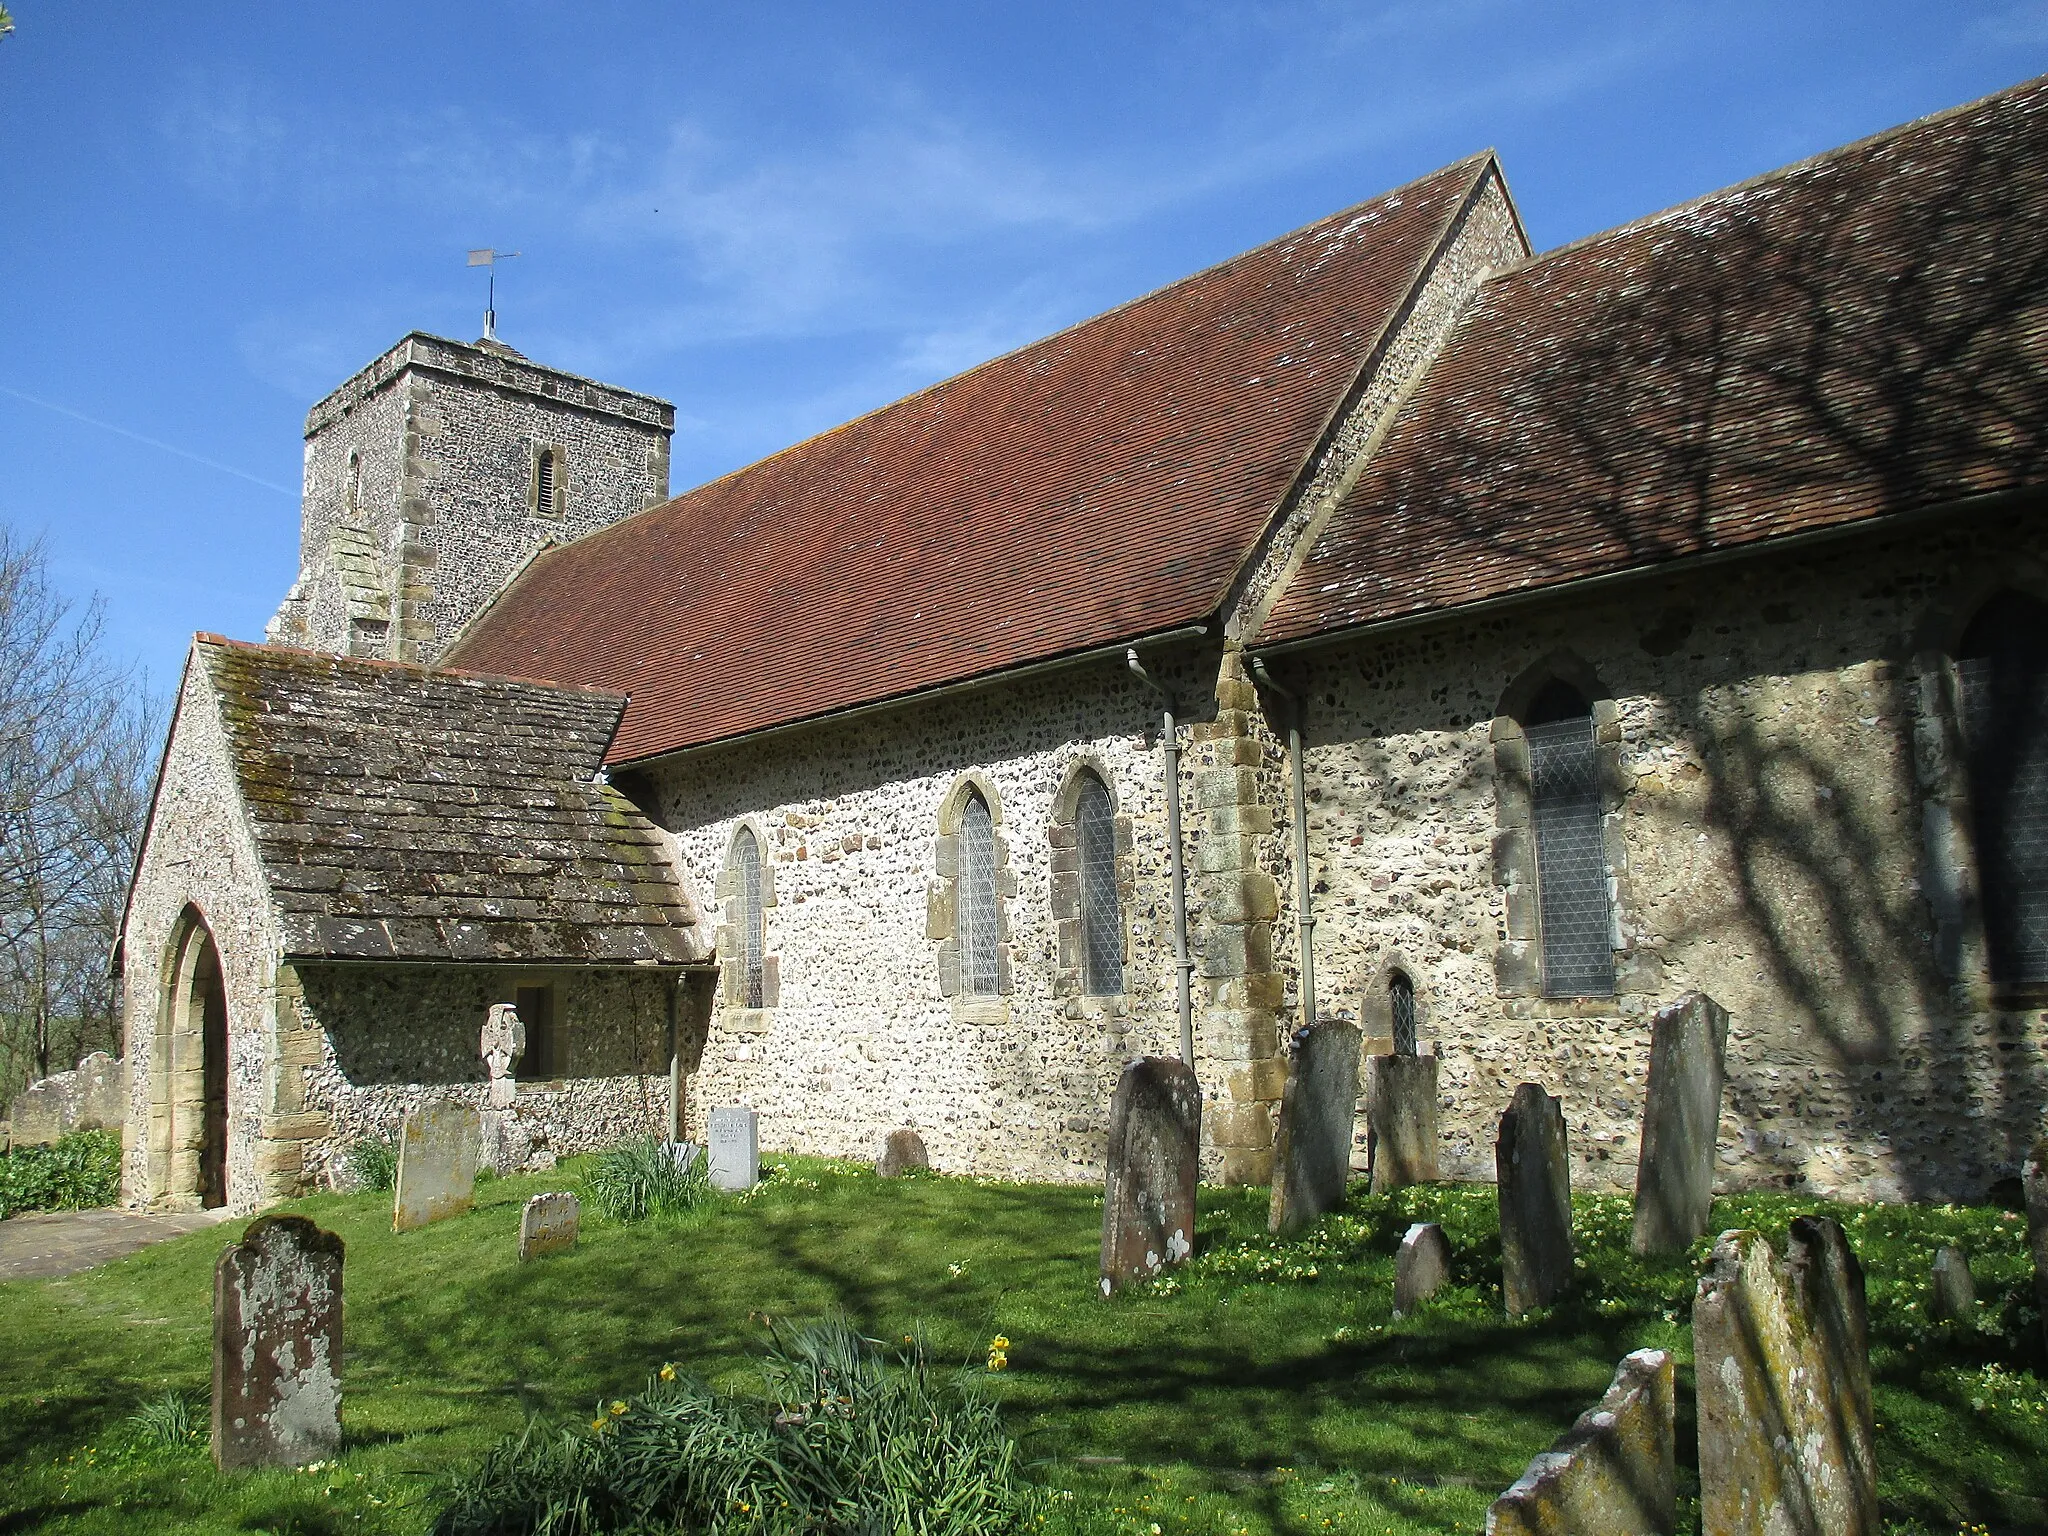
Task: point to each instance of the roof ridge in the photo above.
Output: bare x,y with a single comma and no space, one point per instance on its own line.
422,669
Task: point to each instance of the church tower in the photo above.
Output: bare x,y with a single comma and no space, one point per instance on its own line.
435,473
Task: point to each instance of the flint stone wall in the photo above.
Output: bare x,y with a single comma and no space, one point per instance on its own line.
1778,751
92,1096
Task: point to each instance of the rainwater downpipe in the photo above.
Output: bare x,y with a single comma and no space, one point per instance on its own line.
1304,915
1184,968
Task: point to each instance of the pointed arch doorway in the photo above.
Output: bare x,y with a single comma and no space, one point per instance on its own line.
189,1076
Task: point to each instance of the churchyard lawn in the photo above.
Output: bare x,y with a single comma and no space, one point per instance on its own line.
1264,1388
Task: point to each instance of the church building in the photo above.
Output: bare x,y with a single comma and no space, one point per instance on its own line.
1390,623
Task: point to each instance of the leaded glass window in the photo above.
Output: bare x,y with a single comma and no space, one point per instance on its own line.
1401,1001
1573,911
746,853
2004,676
979,927
1102,924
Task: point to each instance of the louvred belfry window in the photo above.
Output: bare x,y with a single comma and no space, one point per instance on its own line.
2004,677
547,477
753,937
1574,913
1102,926
980,928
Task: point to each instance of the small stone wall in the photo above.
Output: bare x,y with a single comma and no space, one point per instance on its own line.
93,1096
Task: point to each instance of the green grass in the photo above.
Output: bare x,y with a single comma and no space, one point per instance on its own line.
1263,1389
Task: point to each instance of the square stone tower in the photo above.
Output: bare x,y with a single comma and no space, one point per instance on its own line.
434,475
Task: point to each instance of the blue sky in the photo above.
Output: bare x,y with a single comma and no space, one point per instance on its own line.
775,215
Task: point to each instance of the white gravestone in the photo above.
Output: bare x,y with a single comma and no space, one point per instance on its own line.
734,1138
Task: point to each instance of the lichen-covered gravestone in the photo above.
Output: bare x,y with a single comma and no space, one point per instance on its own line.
1312,1150
2034,1178
1400,1116
902,1151
1953,1295
1681,1123
1148,1201
277,1346
1532,1162
1781,1353
437,1157
734,1139
1613,1473
1421,1267
548,1225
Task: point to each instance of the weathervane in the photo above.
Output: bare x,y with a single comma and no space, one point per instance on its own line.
490,258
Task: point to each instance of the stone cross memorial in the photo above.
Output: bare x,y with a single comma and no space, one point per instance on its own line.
277,1346
437,1157
1614,1472
503,1043
1421,1267
1155,1143
1532,1163
734,1139
548,1225
2034,1179
1312,1150
1782,1357
902,1151
1681,1123
1400,1118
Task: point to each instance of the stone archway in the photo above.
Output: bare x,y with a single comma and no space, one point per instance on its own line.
188,1121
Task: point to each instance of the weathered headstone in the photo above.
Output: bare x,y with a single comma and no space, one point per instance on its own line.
1532,1162
734,1138
685,1154
2034,1181
1953,1297
901,1152
1681,1123
1312,1150
1782,1358
548,1225
503,1043
1155,1140
1400,1117
1421,1267
277,1346
1613,1473
437,1155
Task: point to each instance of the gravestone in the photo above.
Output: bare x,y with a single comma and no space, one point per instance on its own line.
1155,1143
1421,1267
277,1346
1312,1149
503,1043
1782,1359
1532,1162
548,1225
2034,1181
734,1138
901,1152
1613,1473
684,1155
1953,1298
1400,1118
1681,1123
437,1155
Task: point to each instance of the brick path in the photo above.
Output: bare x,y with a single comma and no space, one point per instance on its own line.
50,1243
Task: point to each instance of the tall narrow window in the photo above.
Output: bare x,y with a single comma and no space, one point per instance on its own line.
2004,675
546,1055
1401,1005
753,930
980,928
1571,859
1102,919
352,491
547,482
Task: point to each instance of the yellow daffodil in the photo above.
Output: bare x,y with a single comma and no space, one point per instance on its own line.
668,1373
999,1342
617,1407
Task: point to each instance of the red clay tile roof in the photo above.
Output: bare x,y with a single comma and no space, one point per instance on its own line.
1098,486
1859,334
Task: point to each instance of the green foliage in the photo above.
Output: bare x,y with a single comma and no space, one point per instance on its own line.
76,1173
372,1163
640,1178
168,1423
848,1441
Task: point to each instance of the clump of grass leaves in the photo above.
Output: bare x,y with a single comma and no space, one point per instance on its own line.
641,1178
169,1422
372,1163
75,1173
847,1442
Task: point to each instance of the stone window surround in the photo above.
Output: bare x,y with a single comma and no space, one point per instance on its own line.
1952,886
1518,961
1062,834
538,451
1376,1006
733,1014
177,1103
942,904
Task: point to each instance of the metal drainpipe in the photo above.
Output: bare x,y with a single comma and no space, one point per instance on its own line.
1304,914
1184,968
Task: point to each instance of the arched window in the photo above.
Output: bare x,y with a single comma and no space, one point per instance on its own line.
1401,1007
2003,669
1575,923
547,482
980,925
746,864
1102,923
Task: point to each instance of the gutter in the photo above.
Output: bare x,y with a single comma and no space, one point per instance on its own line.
1184,968
1304,914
